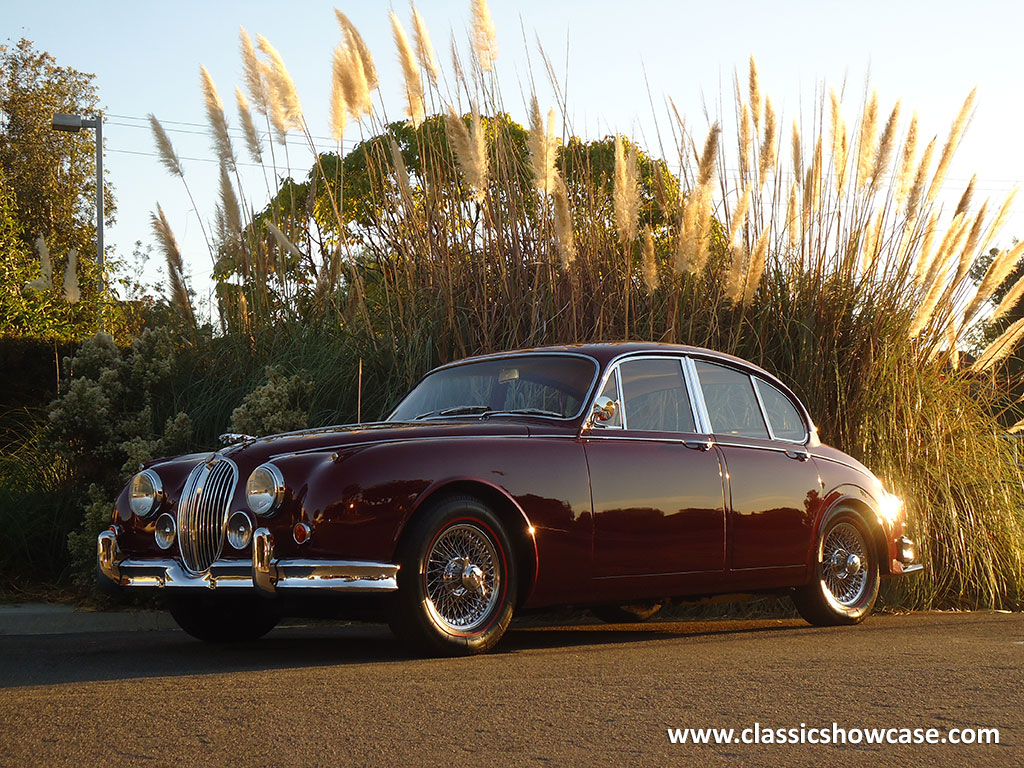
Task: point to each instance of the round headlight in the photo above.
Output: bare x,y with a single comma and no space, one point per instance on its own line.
145,493
264,490
165,531
239,530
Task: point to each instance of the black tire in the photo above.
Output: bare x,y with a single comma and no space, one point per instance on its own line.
216,619
626,614
457,581
836,595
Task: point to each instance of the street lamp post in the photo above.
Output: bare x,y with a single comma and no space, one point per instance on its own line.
74,124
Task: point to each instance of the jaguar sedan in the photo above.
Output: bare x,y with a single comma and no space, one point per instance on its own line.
613,476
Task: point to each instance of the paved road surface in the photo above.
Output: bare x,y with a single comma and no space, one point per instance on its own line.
573,696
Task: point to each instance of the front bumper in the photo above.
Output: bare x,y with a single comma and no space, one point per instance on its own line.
904,563
265,573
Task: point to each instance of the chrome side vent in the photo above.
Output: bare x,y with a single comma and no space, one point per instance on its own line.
203,512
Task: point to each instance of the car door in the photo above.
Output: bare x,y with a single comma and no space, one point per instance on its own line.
773,486
656,484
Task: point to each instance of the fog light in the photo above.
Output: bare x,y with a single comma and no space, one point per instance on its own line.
300,533
165,531
239,530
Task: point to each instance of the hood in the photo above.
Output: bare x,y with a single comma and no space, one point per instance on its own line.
262,449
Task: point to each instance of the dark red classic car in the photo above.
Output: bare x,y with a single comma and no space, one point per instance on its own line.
615,476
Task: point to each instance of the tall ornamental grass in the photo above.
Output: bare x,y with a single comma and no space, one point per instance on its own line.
814,246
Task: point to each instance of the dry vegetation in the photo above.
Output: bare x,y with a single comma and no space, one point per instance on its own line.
823,255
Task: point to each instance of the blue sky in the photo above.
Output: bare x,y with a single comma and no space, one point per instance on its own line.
146,57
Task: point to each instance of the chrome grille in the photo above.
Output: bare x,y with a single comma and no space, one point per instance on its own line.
203,512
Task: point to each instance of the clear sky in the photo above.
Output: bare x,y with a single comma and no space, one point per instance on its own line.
146,57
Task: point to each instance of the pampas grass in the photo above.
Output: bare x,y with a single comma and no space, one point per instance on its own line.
626,193
868,140
164,149
424,47
358,45
542,146
414,108
72,294
45,280
338,104
252,136
218,122
285,109
956,132
470,151
175,267
485,38
1000,348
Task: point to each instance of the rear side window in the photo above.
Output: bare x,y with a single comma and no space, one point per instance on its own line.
654,396
786,421
731,403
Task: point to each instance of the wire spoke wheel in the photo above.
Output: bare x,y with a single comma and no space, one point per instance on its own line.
462,578
844,555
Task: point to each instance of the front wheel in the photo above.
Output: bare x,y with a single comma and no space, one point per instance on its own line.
216,619
457,581
845,584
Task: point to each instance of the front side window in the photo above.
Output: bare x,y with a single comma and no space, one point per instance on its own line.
654,397
731,403
786,421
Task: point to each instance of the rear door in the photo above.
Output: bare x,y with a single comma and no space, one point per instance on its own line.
773,487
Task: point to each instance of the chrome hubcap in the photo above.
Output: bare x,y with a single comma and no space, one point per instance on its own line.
843,556
462,578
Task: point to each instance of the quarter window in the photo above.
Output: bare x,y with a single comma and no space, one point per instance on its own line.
786,421
654,396
731,403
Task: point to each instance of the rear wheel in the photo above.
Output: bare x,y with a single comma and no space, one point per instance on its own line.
845,585
216,619
457,581
623,614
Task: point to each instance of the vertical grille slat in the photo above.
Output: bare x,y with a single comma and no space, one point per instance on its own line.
203,512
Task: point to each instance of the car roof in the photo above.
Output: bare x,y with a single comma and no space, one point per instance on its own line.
605,352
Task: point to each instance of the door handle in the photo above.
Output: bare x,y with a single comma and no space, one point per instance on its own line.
698,445
798,455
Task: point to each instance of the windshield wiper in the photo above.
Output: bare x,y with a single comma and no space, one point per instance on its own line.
458,410
524,412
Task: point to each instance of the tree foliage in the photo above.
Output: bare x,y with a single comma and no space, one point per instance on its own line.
48,190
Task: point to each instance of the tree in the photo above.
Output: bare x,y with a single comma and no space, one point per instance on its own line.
48,189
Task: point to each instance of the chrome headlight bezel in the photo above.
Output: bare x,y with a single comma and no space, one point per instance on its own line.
264,490
145,493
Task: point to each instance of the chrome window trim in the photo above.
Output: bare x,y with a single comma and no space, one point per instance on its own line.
764,411
693,381
588,397
623,417
807,431
615,369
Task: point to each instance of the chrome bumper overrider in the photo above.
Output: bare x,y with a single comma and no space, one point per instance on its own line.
264,573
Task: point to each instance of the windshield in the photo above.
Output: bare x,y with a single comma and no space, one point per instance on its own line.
542,385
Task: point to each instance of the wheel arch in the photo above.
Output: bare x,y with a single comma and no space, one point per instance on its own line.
517,524
860,502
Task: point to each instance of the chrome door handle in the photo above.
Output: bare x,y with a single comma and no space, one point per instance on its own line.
797,455
698,445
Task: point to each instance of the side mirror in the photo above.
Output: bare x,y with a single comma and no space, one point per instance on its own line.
604,409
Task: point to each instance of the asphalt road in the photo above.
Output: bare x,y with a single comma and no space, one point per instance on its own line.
574,696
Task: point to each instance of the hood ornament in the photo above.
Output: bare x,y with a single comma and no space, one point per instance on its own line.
233,438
